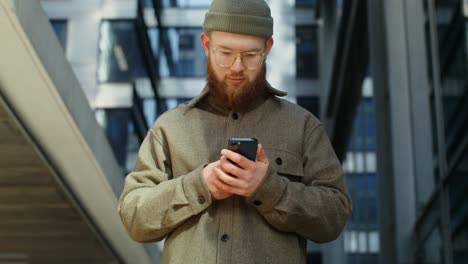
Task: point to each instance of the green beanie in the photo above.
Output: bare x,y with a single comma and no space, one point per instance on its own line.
250,17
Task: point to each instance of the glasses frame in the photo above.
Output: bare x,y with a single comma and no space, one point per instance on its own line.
240,56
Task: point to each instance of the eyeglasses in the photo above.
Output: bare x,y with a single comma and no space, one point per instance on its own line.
250,59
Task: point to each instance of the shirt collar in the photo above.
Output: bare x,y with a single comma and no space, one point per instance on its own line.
270,89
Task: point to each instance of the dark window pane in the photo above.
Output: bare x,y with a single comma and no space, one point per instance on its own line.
372,199
306,52
311,103
188,56
120,57
190,3
305,3
60,29
369,123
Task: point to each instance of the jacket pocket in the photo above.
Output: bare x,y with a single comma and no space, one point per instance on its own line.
286,164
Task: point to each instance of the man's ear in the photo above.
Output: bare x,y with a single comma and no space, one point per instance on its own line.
205,40
268,45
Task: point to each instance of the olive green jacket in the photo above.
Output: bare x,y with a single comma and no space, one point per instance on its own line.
302,197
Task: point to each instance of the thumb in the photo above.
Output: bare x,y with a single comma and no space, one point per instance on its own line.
261,156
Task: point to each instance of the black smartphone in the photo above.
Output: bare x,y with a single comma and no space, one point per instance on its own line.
247,147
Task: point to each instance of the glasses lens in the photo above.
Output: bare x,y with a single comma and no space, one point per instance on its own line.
251,60
224,58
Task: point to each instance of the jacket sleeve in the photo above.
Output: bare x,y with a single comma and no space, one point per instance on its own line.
316,208
153,203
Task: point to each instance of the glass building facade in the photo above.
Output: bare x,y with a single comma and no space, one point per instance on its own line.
361,237
446,32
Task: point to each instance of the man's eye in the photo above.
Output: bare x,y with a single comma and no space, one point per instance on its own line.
250,55
226,53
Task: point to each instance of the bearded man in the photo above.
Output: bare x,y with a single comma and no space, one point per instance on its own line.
213,205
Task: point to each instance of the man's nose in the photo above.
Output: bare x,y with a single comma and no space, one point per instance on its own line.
237,66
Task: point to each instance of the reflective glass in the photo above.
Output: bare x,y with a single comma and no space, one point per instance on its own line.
60,29
306,3
187,56
458,196
432,249
451,44
374,243
120,57
193,3
186,3
369,123
361,179
306,52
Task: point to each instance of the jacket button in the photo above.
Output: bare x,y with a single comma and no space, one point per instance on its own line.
201,199
235,116
279,161
257,202
224,238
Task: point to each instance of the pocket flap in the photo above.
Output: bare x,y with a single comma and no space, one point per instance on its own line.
286,164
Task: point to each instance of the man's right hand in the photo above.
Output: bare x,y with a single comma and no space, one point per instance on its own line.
213,182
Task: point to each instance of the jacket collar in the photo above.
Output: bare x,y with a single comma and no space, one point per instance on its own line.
204,93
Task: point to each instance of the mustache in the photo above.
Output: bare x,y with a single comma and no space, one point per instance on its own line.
238,75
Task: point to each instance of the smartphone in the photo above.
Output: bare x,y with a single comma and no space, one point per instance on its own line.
247,147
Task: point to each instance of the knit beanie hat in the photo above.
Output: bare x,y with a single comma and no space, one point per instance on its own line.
250,17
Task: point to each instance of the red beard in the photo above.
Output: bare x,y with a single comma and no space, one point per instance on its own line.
236,98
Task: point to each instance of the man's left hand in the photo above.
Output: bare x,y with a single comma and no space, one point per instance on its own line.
243,177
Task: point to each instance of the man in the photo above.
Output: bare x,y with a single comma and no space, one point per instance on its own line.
213,205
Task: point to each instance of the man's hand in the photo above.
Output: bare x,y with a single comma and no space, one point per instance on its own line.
243,177
212,181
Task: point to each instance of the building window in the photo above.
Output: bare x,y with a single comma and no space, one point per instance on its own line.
187,3
186,54
306,52
60,29
306,3
120,57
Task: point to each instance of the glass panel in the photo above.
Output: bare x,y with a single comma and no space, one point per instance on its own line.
117,131
187,53
306,3
149,106
360,200
452,46
455,98
60,29
432,249
361,181
347,244
370,162
362,242
193,3
147,3
353,242
374,244
171,103
369,123
358,130
120,58
350,162
153,35
458,196
359,162
186,3
133,146
451,29
306,52
310,103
